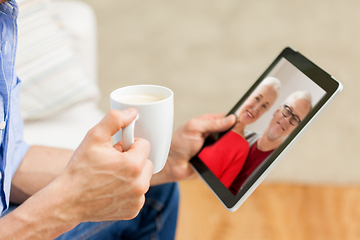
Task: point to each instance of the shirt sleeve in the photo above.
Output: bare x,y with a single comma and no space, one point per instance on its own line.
17,147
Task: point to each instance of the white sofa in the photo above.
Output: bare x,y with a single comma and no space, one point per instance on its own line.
67,127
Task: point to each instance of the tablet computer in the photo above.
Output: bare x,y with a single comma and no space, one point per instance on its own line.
271,116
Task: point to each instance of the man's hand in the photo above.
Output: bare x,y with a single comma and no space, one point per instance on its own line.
186,142
100,183
104,183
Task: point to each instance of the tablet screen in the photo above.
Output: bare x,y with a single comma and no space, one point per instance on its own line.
269,116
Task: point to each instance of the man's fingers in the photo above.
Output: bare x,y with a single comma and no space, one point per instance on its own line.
213,116
113,121
139,151
118,146
217,124
145,176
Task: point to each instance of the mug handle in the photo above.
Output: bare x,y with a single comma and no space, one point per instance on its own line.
127,135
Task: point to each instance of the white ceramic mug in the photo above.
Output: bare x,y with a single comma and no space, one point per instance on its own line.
154,122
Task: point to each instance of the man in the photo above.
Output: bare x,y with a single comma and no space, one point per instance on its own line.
83,194
284,121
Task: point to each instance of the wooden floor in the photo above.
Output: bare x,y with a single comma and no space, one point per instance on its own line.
272,212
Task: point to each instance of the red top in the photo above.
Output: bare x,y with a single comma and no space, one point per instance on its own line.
252,162
226,157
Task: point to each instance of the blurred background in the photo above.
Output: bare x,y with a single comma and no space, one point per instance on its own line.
210,52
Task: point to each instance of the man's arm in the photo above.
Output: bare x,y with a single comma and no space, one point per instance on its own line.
40,166
99,183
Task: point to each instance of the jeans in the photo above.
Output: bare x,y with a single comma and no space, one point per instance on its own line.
156,220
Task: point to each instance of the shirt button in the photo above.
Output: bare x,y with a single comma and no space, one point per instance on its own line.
2,125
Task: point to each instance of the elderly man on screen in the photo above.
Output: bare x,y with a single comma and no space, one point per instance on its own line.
284,121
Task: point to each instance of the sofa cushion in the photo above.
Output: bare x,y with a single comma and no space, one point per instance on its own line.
48,64
65,130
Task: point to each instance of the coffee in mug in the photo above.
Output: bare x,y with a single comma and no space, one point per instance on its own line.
141,98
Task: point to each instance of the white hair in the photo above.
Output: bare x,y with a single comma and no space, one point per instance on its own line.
299,95
272,82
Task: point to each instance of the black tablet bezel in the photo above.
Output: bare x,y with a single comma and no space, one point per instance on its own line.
313,72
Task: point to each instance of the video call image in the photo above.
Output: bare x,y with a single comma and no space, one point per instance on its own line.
264,120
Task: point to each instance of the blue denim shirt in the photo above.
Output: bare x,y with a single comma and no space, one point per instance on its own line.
12,145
